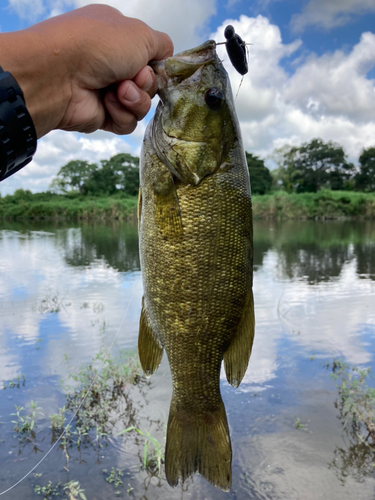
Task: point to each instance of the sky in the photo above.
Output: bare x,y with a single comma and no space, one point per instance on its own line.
311,74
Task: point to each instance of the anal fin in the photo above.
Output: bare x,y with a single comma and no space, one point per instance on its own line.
150,350
236,357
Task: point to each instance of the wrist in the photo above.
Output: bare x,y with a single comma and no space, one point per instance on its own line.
17,131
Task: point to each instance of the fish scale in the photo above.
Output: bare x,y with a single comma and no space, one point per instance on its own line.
195,228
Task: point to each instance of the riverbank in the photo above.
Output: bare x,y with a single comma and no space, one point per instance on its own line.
53,206
322,205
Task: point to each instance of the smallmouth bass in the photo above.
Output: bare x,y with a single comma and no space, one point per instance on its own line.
196,250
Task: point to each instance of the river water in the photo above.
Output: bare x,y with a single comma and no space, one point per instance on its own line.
66,290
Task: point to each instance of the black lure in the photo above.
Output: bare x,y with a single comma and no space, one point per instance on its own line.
236,50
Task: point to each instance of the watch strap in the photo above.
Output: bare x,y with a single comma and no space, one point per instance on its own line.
18,138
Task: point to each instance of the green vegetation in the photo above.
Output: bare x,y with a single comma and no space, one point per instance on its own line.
25,205
365,178
298,425
104,404
313,181
324,204
114,478
356,402
261,179
25,423
71,490
313,166
356,406
154,457
118,174
17,382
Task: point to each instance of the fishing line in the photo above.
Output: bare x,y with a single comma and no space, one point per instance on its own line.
80,404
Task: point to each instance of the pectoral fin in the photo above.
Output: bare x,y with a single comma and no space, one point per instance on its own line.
150,350
236,357
167,209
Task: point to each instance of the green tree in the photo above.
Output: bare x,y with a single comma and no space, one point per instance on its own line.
126,169
283,176
119,173
73,175
102,181
260,176
365,178
321,165
313,166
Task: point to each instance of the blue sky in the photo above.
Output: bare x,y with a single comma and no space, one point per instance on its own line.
311,73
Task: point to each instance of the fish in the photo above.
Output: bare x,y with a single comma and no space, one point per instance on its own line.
196,254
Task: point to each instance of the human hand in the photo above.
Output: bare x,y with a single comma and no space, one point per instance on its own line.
86,70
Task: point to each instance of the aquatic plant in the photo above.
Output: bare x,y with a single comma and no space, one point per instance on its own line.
114,477
298,424
48,491
16,383
356,402
152,458
25,423
58,419
72,489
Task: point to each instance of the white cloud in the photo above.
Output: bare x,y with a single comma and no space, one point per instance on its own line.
330,13
328,96
28,10
56,149
185,22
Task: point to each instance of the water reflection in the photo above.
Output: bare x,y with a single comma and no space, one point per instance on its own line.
116,244
317,252
67,289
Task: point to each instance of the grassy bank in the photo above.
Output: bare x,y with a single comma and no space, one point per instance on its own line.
322,205
53,206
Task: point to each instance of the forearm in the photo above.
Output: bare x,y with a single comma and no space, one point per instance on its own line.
85,70
40,74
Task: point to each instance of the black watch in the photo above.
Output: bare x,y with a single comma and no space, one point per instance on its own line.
17,131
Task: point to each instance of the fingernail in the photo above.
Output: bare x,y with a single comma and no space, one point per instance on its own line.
132,94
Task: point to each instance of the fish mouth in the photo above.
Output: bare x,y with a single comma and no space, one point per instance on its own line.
184,64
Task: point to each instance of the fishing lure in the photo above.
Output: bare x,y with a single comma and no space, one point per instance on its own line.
236,50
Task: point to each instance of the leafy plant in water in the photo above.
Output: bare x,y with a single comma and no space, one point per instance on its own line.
72,489
17,382
154,457
58,419
298,424
48,491
356,402
356,405
98,399
51,304
25,423
114,477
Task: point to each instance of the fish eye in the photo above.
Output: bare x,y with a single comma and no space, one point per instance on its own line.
214,97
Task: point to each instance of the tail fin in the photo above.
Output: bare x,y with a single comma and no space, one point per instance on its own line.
198,443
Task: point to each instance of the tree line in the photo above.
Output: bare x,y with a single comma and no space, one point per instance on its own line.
313,166
308,168
118,174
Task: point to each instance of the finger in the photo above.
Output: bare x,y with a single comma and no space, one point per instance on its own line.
146,80
119,120
134,99
161,46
